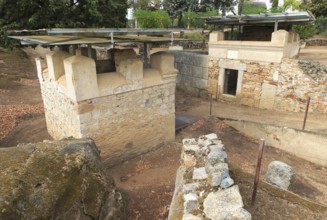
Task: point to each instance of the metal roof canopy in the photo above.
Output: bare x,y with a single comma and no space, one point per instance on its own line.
258,19
60,37
59,40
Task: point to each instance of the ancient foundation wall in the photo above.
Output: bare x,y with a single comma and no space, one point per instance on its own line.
126,112
192,72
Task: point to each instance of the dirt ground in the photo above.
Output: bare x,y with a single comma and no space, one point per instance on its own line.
149,179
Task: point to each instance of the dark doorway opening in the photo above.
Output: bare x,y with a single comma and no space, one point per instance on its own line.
230,84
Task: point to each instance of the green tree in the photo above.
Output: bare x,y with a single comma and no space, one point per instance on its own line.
36,14
317,7
223,5
152,19
176,8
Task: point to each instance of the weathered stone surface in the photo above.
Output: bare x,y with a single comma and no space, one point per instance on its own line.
216,155
211,136
191,217
190,202
279,174
223,203
239,214
189,160
200,173
56,180
195,184
114,106
227,182
190,187
215,179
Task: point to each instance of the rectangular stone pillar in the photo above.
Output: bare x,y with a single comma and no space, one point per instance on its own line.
55,61
81,78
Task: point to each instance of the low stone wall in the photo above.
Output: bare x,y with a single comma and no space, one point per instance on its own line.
303,144
316,42
204,190
192,72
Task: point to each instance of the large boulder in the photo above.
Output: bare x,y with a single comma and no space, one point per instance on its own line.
279,174
56,180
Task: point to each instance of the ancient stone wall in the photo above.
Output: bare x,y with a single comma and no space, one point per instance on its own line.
126,112
204,188
192,72
283,86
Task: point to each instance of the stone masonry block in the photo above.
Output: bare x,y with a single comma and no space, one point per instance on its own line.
81,78
163,62
55,62
132,69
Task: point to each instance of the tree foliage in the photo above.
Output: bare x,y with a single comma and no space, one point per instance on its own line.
222,5
36,14
145,4
152,19
317,7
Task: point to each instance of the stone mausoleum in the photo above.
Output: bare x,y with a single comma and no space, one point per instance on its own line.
261,70
127,111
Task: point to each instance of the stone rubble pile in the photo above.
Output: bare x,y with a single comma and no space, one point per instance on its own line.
204,188
314,69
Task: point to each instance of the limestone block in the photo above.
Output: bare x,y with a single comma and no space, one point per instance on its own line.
218,204
215,179
55,62
81,78
279,174
190,187
279,37
120,55
216,155
200,173
226,183
211,136
216,36
190,202
163,62
132,69
191,217
189,160
268,95
220,167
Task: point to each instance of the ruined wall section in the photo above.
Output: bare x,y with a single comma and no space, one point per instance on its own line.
296,82
193,72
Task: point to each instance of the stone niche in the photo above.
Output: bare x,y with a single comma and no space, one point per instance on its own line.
126,112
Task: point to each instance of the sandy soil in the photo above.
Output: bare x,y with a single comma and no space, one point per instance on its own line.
149,179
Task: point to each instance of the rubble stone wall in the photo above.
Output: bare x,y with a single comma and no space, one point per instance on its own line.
204,189
283,86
